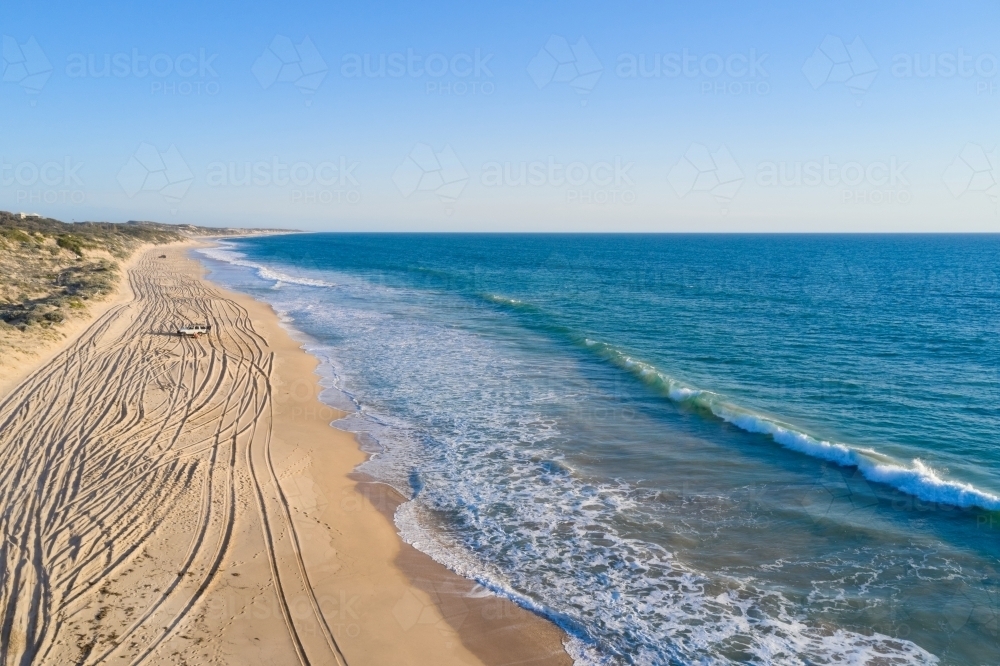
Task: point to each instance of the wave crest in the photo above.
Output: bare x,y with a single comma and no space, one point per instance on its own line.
917,478
227,254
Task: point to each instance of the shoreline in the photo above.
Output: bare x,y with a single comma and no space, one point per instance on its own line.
493,629
282,553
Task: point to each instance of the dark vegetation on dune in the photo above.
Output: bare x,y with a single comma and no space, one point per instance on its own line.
49,269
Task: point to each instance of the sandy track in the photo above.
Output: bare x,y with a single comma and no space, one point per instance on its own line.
135,469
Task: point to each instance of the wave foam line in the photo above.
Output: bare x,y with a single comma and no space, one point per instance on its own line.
917,479
229,256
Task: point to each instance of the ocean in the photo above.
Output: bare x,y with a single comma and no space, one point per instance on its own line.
683,449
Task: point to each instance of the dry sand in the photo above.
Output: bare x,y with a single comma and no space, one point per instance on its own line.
178,501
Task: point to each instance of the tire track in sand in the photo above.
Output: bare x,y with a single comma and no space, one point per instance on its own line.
133,446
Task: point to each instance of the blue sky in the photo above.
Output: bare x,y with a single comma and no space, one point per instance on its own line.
785,116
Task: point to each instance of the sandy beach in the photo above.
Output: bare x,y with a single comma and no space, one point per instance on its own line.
185,501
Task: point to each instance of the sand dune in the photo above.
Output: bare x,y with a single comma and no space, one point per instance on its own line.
146,516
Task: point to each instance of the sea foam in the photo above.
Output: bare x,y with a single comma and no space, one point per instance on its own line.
916,478
225,253
620,599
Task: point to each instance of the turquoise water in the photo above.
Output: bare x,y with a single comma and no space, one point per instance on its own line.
682,449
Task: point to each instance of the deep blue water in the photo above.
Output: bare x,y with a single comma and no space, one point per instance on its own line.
683,449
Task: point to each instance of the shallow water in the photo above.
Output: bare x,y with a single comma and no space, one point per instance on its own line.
683,449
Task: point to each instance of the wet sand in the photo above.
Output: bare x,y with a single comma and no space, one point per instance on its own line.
171,500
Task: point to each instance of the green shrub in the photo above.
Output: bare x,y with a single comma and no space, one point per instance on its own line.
16,235
71,243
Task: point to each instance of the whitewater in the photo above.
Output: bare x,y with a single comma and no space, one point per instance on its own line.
771,450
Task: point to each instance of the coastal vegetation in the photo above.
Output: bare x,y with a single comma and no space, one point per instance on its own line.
51,270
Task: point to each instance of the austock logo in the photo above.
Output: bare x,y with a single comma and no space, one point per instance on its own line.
25,64
944,65
444,605
834,62
263,173
456,74
559,62
982,68
974,170
184,74
425,170
732,74
285,62
862,183
701,170
47,182
149,170
599,182
327,182
971,616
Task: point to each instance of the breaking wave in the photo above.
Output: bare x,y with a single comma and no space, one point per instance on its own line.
226,253
916,478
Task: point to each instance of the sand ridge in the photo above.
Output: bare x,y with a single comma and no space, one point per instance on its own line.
168,500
